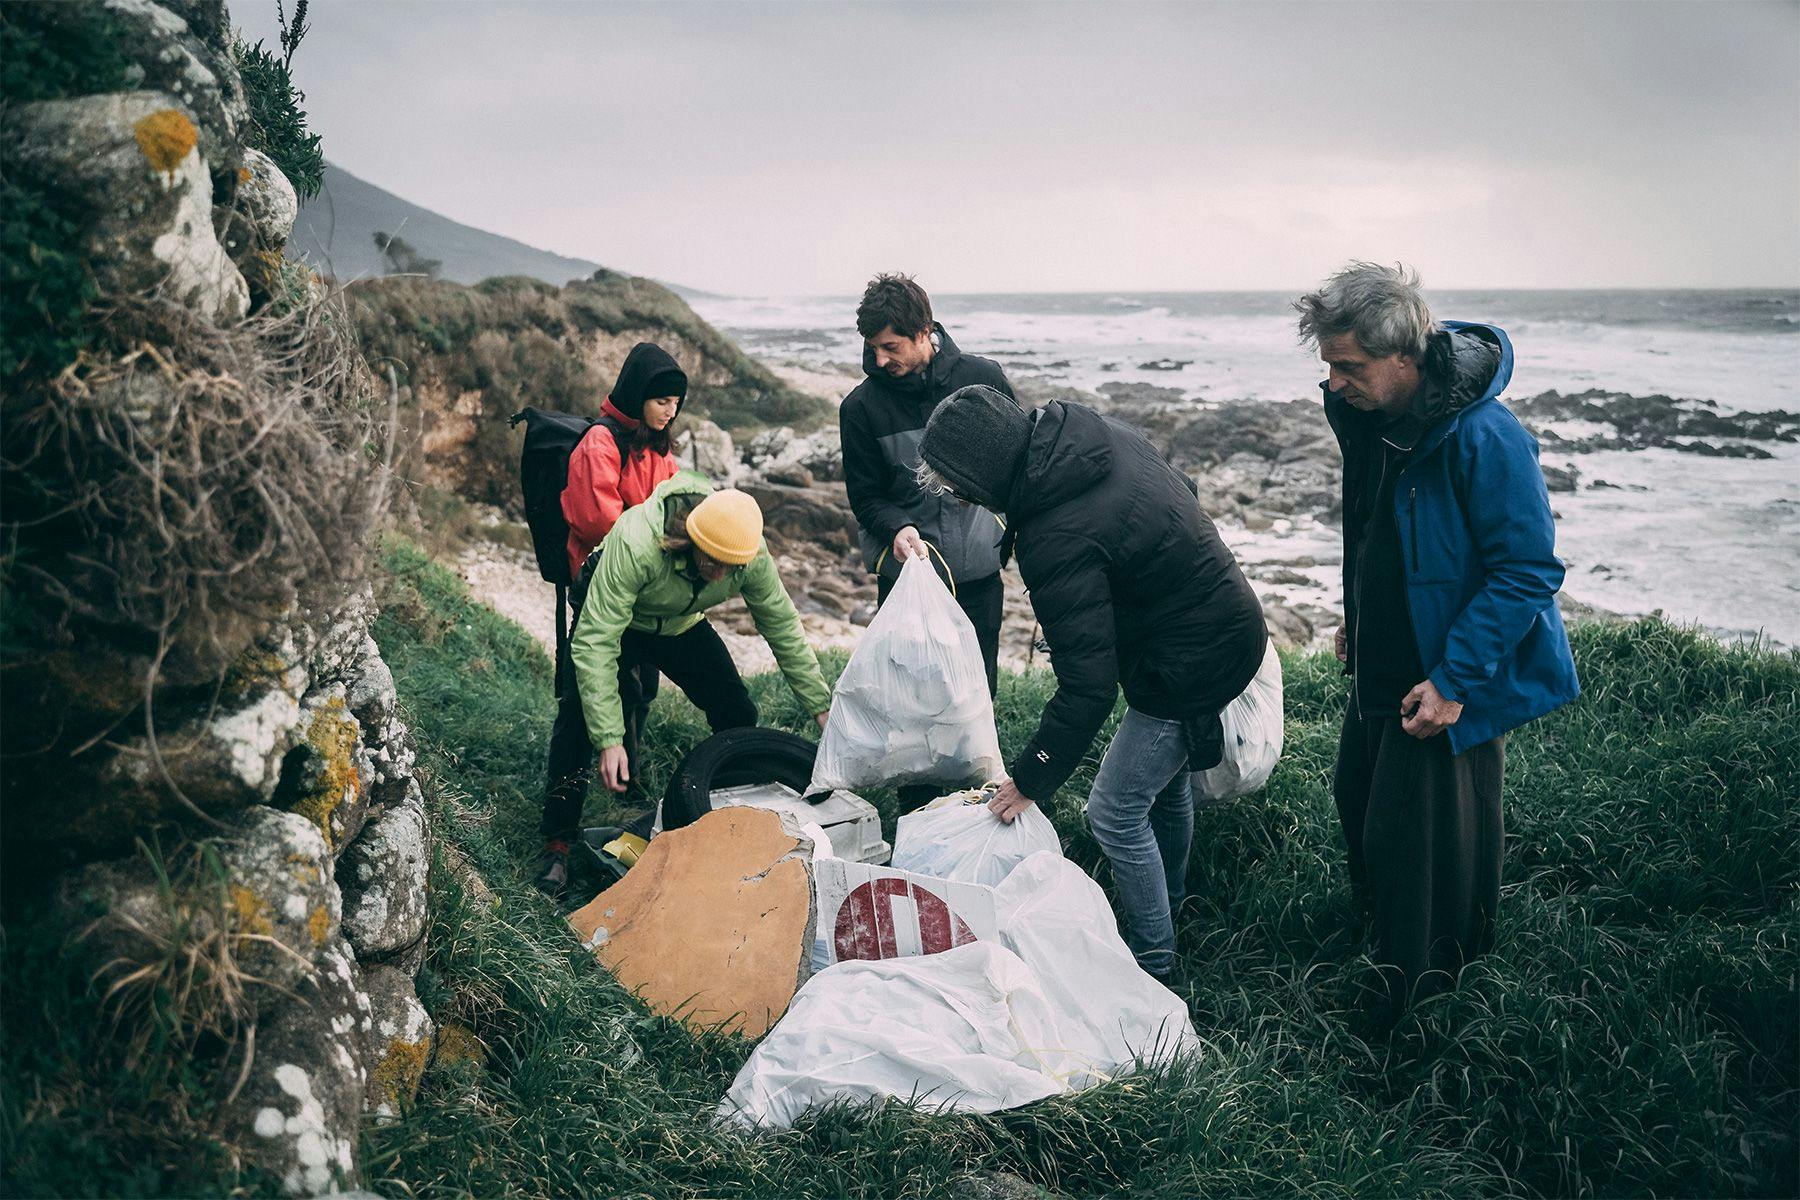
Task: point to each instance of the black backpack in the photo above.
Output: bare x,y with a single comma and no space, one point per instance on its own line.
550,437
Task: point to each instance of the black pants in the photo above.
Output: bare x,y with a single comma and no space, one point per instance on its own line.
983,602
1424,832
696,661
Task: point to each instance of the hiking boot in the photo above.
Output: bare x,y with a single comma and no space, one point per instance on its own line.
552,876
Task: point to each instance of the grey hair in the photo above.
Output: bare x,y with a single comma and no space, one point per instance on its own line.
930,481
1381,306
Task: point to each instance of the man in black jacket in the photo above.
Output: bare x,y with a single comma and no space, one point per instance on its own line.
1133,587
911,365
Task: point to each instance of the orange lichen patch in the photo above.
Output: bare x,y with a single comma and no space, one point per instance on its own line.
250,912
458,1044
395,1079
334,735
243,174
165,138
319,924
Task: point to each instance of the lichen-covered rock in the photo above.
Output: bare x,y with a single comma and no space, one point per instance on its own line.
258,908
298,1114
326,778
708,449
369,692
267,202
228,756
401,1043
279,875
133,159
184,48
334,641
382,875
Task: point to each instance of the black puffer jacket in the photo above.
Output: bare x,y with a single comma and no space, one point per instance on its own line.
881,424
1131,582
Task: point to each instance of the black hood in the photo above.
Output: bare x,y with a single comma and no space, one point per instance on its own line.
1070,451
1457,369
649,371
943,361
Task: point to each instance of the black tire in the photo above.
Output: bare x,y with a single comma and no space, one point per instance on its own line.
732,759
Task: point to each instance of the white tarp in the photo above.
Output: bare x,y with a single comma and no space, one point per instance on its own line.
956,837
962,1030
912,705
1056,1004
1254,726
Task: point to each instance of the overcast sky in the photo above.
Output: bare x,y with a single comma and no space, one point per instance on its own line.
754,148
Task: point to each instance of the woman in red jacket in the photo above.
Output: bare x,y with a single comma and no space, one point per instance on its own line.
616,465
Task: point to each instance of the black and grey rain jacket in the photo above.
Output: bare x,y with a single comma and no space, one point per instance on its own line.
881,425
1133,586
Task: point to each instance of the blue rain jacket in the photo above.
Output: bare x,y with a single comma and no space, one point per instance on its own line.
1481,569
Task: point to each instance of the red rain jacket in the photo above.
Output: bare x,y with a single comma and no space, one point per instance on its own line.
600,488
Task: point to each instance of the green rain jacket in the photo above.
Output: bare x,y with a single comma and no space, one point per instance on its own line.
639,585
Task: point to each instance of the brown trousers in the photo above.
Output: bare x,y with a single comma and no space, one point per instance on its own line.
1424,832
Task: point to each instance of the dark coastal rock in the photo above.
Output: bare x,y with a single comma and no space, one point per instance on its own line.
1560,479
818,513
1654,422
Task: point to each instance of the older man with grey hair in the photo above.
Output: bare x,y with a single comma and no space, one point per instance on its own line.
1452,636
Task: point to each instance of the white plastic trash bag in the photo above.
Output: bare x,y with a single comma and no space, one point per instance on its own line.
912,705
1253,725
967,1030
1110,1013
956,838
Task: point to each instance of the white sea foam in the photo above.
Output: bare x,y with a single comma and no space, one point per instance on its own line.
1714,540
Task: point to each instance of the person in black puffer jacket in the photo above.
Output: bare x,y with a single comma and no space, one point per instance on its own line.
1134,588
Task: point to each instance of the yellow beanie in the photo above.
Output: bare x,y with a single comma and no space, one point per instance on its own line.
728,526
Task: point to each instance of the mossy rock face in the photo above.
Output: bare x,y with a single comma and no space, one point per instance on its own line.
326,778
401,1042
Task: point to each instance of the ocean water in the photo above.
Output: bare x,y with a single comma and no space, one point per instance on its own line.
1710,540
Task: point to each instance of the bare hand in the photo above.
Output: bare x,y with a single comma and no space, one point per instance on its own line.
822,718
1009,802
1425,713
908,544
1340,644
615,768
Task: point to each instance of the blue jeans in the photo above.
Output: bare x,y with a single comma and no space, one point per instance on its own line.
1142,813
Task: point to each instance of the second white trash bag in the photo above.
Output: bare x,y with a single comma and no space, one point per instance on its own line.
912,705
954,837
1254,727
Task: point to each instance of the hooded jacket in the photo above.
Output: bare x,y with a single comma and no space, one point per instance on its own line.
1476,534
638,585
880,424
602,483
1131,582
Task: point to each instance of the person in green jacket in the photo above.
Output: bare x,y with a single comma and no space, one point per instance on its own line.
682,551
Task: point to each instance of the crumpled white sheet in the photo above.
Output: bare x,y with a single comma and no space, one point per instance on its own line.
1059,1006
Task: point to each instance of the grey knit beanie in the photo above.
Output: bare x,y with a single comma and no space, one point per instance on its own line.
975,440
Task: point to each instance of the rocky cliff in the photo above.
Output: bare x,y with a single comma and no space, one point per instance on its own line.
211,819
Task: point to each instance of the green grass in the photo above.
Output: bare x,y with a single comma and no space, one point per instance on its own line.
1633,1034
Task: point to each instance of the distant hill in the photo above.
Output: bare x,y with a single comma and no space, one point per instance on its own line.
336,235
